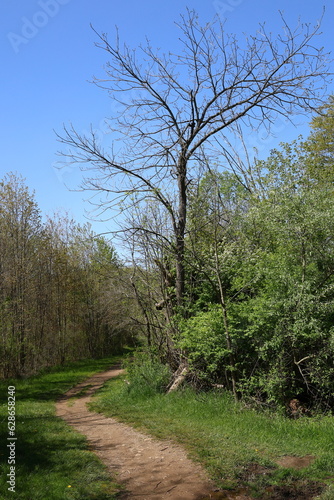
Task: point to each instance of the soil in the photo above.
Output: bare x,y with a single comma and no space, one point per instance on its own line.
147,468
297,491
292,462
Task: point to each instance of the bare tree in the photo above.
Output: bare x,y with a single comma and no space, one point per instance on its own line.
178,110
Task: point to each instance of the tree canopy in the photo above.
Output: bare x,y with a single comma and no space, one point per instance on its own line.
176,112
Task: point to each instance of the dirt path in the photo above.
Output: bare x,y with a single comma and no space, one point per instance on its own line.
149,469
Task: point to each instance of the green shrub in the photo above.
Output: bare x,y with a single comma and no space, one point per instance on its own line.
203,339
147,375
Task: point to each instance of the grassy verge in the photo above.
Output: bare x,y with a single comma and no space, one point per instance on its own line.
239,447
52,462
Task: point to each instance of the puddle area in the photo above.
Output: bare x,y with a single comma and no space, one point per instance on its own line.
296,491
240,494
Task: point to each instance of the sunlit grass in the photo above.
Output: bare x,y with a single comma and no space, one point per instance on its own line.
227,437
52,461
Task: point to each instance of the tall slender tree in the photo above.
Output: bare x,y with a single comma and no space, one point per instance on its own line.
177,110
20,226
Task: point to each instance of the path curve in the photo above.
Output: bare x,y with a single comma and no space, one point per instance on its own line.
149,469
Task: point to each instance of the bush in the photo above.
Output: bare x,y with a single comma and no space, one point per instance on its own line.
147,375
203,339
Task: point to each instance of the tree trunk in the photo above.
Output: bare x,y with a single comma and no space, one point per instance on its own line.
226,326
179,377
180,230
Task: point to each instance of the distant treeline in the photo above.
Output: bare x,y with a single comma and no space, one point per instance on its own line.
60,288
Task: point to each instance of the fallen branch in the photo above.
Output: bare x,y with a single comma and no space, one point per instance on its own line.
179,377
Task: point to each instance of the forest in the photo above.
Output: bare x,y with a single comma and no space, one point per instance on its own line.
228,279
60,298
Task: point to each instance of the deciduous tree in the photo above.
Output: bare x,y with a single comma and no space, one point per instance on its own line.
178,110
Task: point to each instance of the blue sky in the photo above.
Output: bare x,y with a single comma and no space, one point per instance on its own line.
48,58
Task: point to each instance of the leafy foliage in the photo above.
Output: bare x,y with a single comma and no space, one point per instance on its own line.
270,253
202,338
147,376
320,144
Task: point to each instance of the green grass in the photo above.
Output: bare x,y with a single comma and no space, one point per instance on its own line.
53,462
238,446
